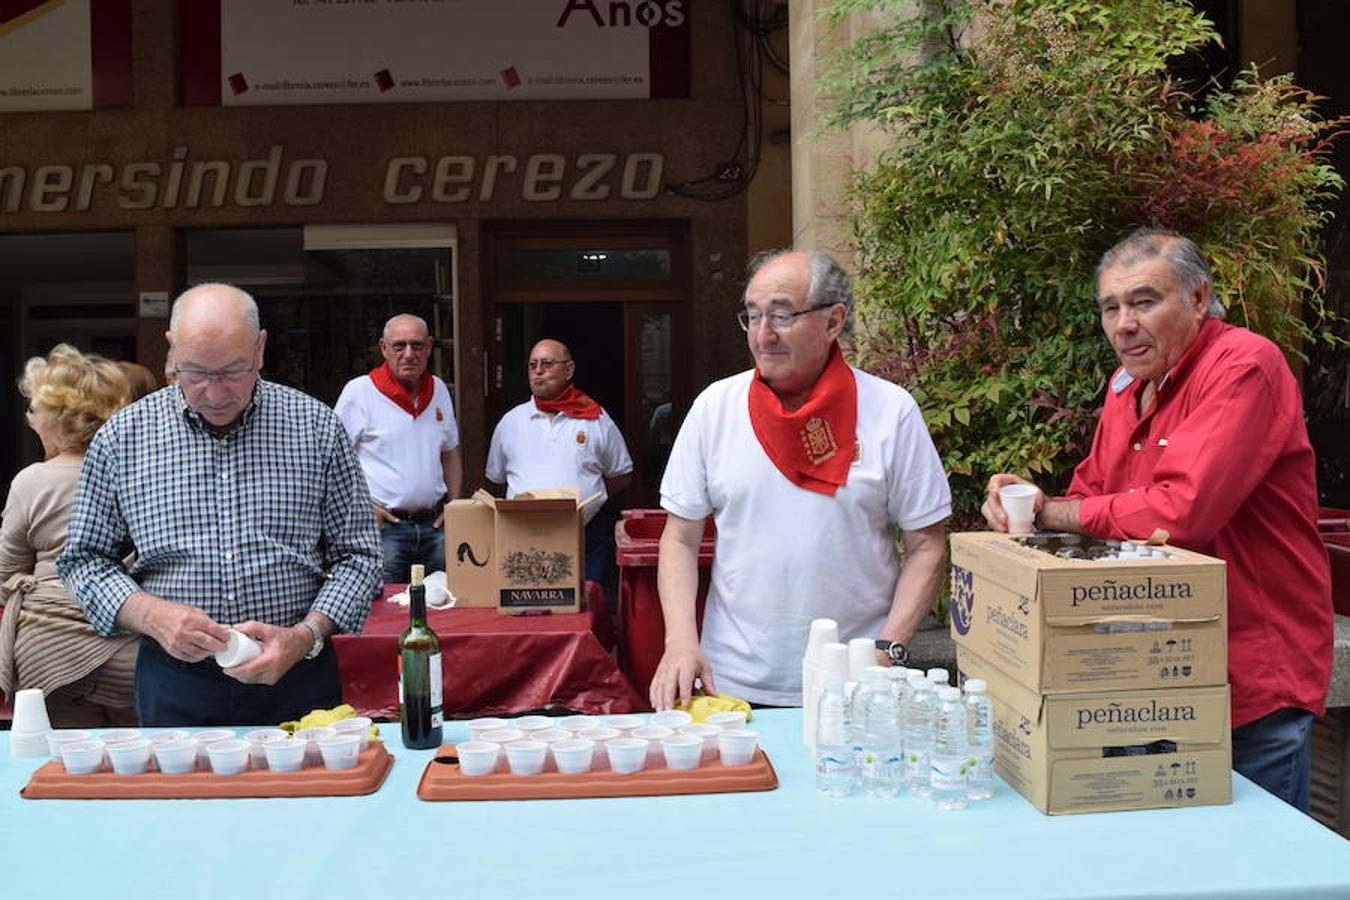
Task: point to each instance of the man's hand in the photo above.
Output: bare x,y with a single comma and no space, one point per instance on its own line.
992,509
183,630
674,678
282,648
383,515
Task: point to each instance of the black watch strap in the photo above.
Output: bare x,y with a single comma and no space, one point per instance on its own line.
898,652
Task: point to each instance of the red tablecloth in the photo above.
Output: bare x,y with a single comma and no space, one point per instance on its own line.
492,664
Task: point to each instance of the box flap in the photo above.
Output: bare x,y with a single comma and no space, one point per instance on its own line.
998,558
1190,716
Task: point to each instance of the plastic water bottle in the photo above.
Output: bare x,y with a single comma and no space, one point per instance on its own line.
919,716
897,679
950,761
857,711
939,676
835,772
980,739
881,759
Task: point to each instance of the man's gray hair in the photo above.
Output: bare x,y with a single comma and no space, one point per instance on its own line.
384,335
247,307
1182,255
829,283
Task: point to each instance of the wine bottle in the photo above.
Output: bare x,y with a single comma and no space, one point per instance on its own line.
419,673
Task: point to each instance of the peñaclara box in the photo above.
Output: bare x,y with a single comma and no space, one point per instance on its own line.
1101,751
1073,624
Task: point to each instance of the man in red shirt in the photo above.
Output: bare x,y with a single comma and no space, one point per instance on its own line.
1202,435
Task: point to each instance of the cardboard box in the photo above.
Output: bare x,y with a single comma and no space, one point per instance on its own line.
470,566
1109,750
1059,625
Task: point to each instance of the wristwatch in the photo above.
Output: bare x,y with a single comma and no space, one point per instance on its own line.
898,653
317,647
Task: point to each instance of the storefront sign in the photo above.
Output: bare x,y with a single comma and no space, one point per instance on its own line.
283,52
184,182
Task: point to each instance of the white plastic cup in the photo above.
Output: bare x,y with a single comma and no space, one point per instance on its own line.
601,736
627,755
285,756
728,721
480,727
340,751
653,735
205,739
310,737
228,756
674,719
578,724
682,751
624,724
707,734
573,756
30,713
129,757
478,757
82,757
176,757
531,724
1019,503
737,748
833,663
57,739
550,736
526,757
120,735
357,725
257,741
240,649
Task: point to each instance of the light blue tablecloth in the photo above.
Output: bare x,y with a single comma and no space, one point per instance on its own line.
786,843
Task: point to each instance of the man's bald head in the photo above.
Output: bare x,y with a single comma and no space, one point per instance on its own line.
217,350
550,368
215,305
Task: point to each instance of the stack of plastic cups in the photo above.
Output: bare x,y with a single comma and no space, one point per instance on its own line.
823,631
28,735
862,653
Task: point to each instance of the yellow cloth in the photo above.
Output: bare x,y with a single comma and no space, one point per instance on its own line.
704,705
321,718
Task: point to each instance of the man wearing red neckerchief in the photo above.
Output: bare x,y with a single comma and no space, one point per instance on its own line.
402,422
560,437
808,467
1202,436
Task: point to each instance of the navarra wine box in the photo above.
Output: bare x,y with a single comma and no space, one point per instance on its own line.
1059,624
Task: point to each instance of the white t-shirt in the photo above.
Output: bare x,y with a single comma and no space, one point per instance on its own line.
400,455
532,450
786,555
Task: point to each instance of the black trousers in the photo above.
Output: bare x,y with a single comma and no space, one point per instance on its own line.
172,692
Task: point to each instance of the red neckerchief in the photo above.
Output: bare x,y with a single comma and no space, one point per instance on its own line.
387,384
815,444
572,402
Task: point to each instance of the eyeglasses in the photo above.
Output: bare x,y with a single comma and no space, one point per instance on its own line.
779,321
545,365
197,377
415,346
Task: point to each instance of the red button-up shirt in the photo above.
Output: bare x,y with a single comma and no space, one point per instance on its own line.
1222,462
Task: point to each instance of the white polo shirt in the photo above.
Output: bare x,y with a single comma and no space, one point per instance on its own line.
785,555
400,455
531,450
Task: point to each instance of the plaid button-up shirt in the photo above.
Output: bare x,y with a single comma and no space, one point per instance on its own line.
266,522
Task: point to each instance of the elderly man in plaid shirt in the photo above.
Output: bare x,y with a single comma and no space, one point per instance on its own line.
246,508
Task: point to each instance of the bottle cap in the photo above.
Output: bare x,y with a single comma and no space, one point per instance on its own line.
976,686
897,673
417,573
874,676
947,693
939,676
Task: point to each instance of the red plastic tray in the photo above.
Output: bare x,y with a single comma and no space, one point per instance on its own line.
51,782
444,781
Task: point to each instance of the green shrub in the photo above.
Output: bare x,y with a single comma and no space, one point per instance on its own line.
1025,146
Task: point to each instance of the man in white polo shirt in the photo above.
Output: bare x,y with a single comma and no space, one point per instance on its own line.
402,423
560,437
808,468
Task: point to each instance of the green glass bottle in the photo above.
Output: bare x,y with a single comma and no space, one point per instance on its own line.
419,673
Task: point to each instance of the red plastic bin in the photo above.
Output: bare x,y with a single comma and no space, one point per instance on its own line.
642,629
1334,525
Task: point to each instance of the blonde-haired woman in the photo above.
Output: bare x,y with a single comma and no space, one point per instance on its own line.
45,641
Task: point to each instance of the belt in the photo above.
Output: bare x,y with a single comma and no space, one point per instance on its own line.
417,516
